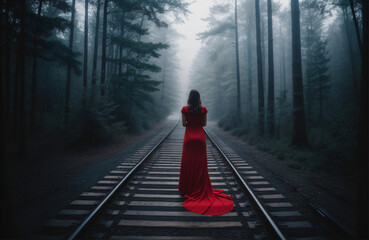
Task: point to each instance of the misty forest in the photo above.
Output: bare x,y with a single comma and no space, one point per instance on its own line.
291,80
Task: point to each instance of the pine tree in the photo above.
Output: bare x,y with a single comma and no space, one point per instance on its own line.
299,136
85,53
22,83
44,46
249,60
346,23
7,30
321,79
362,155
270,107
96,43
69,67
260,71
316,59
130,60
238,114
34,66
103,47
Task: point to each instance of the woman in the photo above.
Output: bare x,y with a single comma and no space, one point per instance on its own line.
194,181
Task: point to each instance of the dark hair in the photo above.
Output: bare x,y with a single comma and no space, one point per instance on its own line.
194,102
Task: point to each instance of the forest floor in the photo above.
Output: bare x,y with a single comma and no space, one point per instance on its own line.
56,172
329,190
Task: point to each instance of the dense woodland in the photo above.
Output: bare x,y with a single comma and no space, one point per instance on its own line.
300,89
104,77
291,80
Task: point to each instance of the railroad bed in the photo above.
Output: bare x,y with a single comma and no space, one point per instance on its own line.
147,204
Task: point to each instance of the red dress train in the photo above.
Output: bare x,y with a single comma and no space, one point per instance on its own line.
194,181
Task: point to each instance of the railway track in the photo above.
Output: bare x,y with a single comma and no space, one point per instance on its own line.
140,200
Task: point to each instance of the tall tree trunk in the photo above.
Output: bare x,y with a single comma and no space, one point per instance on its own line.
110,64
299,136
85,54
16,96
96,44
280,59
141,24
110,70
356,25
164,63
320,99
7,72
2,85
260,71
249,70
103,57
69,70
362,156
7,227
249,75
351,53
270,111
263,55
22,85
309,77
238,113
120,46
116,57
283,64
34,65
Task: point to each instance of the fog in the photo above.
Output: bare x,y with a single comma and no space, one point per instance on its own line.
151,59
288,78
136,67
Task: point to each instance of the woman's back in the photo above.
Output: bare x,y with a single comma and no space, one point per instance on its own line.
194,119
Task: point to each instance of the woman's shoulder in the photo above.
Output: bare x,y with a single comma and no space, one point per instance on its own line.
203,109
184,109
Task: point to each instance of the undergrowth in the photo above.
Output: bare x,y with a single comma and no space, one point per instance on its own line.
329,150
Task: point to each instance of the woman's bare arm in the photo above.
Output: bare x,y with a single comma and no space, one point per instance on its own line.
184,121
205,120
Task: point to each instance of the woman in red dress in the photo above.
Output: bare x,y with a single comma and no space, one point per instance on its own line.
194,181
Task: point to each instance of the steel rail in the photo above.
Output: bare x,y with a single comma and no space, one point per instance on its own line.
271,224
88,220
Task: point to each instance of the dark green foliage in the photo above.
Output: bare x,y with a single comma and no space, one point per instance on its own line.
328,82
131,87
316,56
62,6
134,64
43,38
44,25
135,79
48,46
283,114
98,124
54,50
31,32
143,49
321,76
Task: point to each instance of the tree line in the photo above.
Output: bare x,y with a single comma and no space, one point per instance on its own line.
295,75
101,78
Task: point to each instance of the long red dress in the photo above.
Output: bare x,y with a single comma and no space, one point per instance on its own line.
194,181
